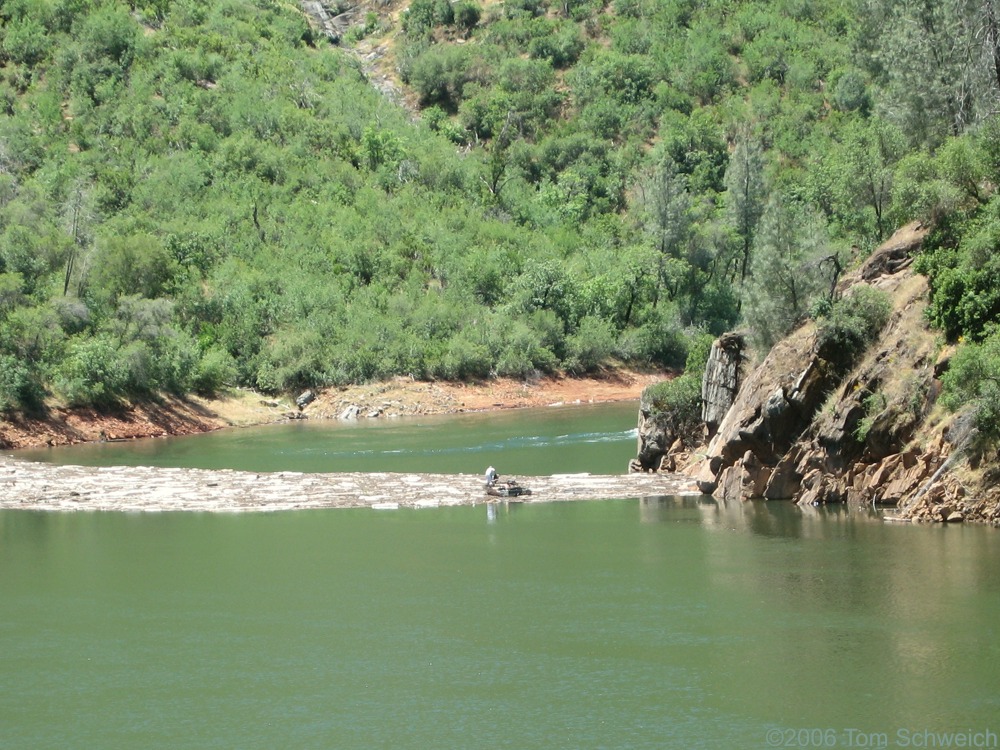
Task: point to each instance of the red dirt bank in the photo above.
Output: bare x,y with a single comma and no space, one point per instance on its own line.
402,396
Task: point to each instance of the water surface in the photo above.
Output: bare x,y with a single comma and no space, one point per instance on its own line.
621,624
595,438
667,623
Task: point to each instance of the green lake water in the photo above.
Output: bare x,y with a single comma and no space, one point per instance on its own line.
597,438
665,623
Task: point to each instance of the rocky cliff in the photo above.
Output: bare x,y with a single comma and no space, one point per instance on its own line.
802,426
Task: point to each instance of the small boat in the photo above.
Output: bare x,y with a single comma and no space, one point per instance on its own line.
507,488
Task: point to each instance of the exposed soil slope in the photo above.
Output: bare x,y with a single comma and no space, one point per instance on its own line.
399,397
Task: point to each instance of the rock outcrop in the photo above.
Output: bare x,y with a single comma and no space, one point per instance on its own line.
663,438
806,427
722,380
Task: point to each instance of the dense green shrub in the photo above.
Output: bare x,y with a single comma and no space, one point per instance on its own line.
440,74
964,271
561,45
660,340
92,374
26,42
793,266
20,386
521,351
195,194
214,372
972,381
590,346
467,15
678,401
423,15
851,324
466,357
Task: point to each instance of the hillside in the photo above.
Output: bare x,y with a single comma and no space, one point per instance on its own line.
201,196
808,425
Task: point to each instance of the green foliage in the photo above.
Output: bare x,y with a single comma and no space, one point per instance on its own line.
704,67
26,42
423,15
561,45
935,65
850,91
699,348
466,357
92,374
128,265
680,396
291,361
441,73
590,345
380,148
624,79
467,15
972,382
696,146
851,324
793,266
966,298
921,190
18,387
679,399
746,196
854,181
198,194
961,263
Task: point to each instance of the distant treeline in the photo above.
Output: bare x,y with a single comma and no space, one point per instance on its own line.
202,193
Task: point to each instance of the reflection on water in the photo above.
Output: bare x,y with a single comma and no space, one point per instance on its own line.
671,622
888,613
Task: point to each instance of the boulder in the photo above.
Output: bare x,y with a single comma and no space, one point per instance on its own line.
706,478
785,481
305,398
653,437
744,480
658,432
728,485
896,253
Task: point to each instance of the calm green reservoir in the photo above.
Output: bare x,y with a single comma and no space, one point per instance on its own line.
597,438
665,623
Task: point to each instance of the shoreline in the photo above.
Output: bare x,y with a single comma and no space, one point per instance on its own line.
171,416
39,486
